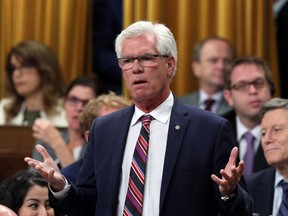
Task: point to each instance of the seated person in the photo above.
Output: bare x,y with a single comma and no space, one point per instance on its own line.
35,86
248,85
100,106
66,146
267,187
26,193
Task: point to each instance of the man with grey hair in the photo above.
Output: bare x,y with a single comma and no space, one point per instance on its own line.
211,58
267,187
183,172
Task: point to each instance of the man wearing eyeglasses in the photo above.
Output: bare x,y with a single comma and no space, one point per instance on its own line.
153,158
248,85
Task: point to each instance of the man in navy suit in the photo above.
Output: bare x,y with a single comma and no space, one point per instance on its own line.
190,170
264,186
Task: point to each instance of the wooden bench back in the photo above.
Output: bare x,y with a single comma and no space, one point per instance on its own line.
16,142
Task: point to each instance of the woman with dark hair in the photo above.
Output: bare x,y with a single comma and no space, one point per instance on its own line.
68,145
26,193
35,86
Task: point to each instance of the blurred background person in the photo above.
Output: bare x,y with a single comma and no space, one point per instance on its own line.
26,193
210,60
35,86
269,187
100,106
107,24
66,146
248,85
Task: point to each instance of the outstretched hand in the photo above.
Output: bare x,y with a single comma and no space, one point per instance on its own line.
48,169
230,175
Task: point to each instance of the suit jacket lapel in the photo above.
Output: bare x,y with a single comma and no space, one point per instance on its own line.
117,152
176,133
265,202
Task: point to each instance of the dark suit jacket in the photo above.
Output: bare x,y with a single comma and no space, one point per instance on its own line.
261,188
259,160
201,147
193,98
71,172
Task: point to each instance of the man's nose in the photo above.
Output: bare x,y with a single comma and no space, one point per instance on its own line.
137,68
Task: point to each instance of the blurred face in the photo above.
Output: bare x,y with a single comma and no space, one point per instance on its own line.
26,79
148,85
248,101
275,137
77,98
215,57
36,203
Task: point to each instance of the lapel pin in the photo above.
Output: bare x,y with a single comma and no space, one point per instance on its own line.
177,127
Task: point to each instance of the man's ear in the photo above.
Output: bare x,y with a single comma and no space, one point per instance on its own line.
228,97
86,135
195,66
171,64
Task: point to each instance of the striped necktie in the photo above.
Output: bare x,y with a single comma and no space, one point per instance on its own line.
135,193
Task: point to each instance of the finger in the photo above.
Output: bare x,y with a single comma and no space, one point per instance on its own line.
43,152
240,167
233,156
229,176
217,180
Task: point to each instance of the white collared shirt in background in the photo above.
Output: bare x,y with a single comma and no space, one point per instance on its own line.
216,97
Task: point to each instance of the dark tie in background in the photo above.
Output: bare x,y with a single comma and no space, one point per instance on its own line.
249,156
135,192
208,104
283,210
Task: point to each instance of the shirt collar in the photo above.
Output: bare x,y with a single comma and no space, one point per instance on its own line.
203,96
242,129
278,179
160,113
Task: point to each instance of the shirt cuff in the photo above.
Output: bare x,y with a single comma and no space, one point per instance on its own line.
60,195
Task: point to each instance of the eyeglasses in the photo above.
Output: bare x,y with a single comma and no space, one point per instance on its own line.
244,86
22,68
74,101
144,60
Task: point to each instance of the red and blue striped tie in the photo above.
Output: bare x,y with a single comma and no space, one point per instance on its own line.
135,193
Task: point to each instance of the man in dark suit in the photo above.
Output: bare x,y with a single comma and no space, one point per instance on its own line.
211,58
265,186
186,171
248,85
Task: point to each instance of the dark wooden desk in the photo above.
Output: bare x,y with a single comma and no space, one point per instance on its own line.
16,142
